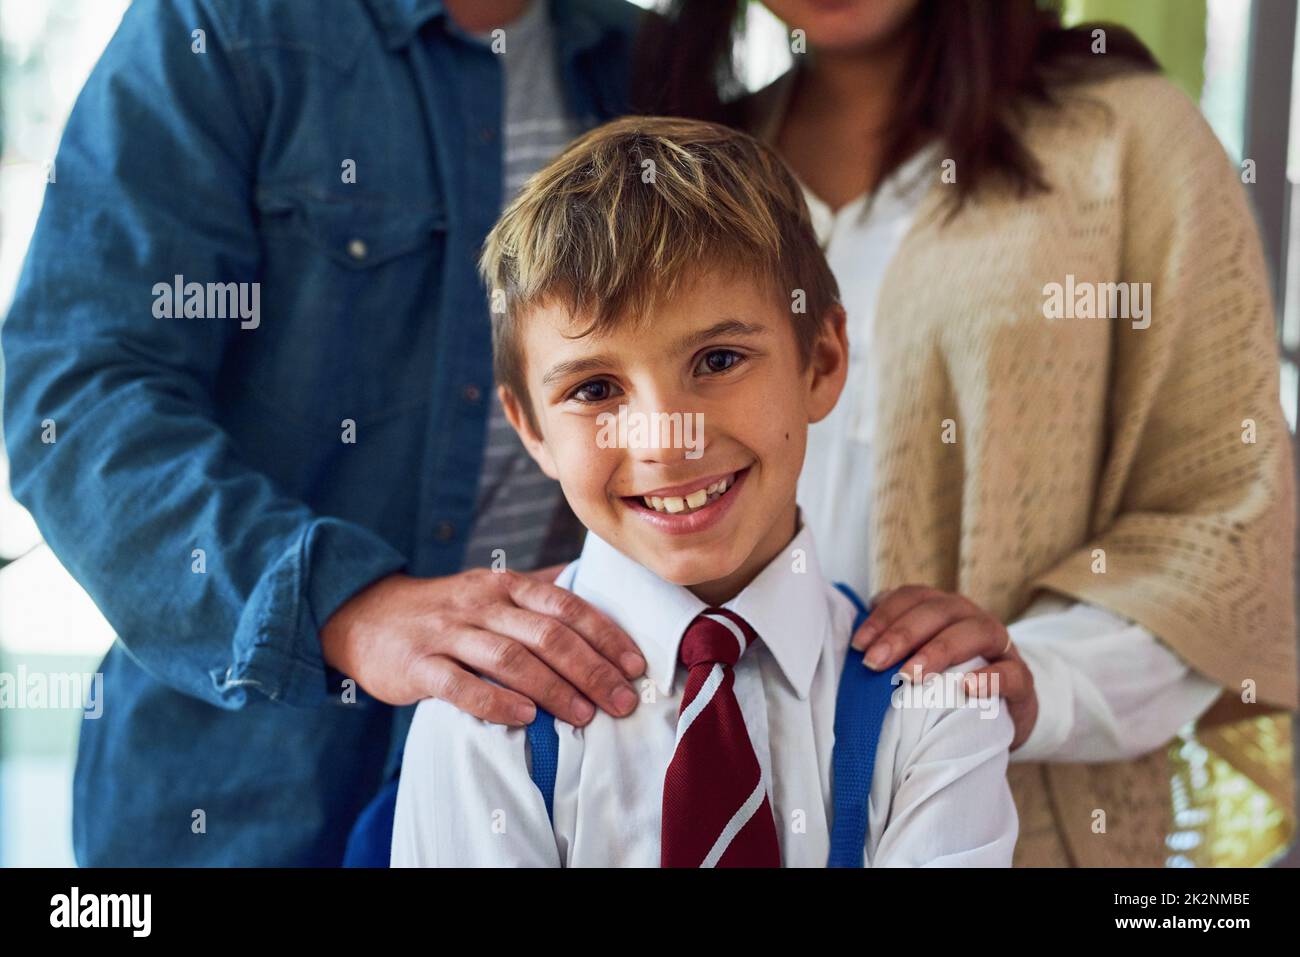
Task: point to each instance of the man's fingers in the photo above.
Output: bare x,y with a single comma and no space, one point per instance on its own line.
510,663
597,629
960,641
565,651
915,627
440,677
886,607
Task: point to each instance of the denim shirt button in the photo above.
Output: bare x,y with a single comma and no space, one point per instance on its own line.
445,531
357,249
487,134
471,392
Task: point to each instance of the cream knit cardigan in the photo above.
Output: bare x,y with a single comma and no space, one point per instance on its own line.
1144,470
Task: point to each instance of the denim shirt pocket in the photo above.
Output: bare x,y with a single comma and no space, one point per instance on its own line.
350,295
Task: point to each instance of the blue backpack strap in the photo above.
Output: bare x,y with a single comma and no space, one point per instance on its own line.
544,748
370,843
543,740
860,709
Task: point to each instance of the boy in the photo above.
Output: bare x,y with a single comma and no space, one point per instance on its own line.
665,328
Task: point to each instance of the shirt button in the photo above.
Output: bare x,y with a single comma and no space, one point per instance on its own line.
471,392
445,531
487,134
357,249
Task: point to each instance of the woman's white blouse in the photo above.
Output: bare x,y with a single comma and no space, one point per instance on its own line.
1107,688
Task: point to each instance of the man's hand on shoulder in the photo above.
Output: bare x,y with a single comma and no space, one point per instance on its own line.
405,638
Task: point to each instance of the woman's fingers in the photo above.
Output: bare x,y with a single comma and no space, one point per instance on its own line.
914,627
886,607
940,630
1008,678
960,641
442,678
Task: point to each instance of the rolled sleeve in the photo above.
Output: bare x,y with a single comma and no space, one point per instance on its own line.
277,646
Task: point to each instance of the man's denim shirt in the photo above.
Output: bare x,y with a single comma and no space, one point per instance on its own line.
221,485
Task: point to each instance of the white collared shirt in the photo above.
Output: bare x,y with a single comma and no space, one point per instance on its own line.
1107,688
939,794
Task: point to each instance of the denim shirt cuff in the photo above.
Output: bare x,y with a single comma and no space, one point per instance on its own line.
284,661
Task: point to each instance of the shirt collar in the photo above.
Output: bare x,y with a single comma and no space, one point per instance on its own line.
400,20
901,191
785,604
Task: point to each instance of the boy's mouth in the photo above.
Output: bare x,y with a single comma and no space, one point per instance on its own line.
691,507
690,501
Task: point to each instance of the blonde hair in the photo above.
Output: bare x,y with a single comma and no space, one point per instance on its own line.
633,209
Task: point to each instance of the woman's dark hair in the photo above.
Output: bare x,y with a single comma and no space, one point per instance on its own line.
973,65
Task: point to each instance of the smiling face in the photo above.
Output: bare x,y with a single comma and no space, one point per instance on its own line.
705,512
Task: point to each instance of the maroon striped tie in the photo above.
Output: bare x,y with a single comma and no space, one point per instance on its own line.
716,809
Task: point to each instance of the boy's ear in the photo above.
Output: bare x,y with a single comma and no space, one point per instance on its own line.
828,366
523,428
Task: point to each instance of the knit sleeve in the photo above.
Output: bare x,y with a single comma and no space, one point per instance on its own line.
1195,521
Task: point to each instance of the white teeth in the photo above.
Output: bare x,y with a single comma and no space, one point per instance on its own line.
696,499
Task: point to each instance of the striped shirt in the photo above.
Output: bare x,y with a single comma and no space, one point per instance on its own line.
520,511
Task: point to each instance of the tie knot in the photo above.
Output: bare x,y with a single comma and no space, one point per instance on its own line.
716,636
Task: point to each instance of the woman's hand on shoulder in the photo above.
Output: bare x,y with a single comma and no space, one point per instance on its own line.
930,631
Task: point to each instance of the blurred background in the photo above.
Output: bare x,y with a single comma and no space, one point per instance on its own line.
1234,783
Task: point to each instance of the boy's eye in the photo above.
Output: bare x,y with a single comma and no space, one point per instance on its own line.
597,390
719,360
